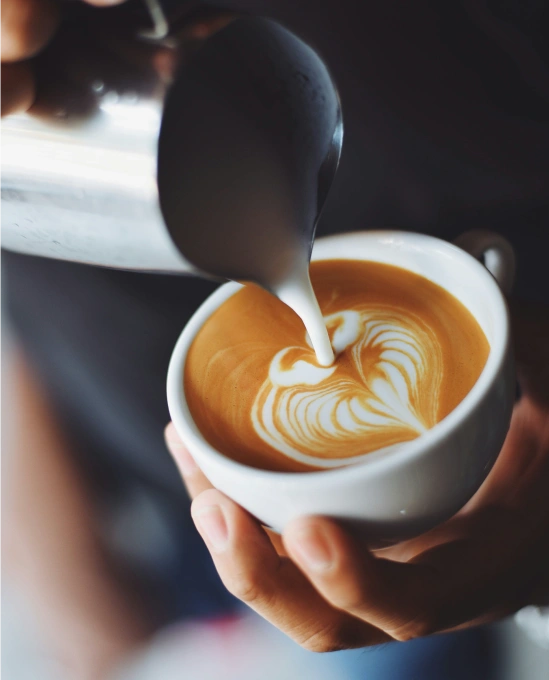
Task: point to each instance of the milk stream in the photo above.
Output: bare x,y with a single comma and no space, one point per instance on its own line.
297,292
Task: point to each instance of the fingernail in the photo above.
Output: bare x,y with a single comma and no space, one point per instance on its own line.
210,522
312,549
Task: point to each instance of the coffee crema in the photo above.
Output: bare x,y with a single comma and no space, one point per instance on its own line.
407,352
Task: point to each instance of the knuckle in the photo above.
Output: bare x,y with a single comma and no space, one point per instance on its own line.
351,597
419,627
244,587
13,46
332,638
321,642
251,585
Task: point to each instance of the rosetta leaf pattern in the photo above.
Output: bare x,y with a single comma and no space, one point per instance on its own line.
382,390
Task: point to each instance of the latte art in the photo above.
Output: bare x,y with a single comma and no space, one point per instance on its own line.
407,352
386,392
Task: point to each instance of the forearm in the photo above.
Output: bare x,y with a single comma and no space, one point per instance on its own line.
52,543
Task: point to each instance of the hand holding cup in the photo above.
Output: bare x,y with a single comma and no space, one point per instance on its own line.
323,587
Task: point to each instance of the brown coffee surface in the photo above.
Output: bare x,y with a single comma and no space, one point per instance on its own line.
407,353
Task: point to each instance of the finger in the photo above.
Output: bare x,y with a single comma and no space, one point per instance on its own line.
17,88
396,598
196,481
27,26
272,585
193,477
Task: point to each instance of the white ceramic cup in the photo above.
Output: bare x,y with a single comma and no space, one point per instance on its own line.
396,495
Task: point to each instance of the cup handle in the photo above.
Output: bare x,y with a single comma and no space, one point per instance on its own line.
494,251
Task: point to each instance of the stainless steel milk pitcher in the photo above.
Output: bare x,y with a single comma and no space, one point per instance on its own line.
82,178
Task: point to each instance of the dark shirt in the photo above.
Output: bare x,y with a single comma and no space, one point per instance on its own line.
446,111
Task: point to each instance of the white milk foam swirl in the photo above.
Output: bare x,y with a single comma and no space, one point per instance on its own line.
307,412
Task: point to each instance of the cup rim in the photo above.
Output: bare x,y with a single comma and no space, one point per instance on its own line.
376,461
